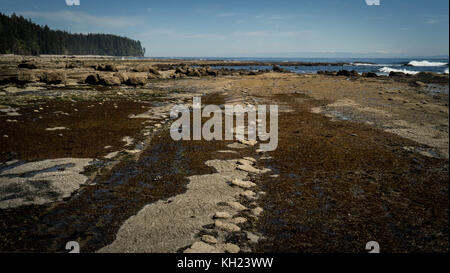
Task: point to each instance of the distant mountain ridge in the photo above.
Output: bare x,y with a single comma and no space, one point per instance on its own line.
21,36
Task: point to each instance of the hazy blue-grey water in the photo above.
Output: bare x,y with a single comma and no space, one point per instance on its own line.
381,66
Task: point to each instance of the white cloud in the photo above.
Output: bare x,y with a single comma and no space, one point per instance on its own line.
85,18
432,21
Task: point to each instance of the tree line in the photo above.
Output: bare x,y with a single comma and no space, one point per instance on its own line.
21,36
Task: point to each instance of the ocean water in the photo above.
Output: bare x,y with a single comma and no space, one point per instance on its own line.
381,66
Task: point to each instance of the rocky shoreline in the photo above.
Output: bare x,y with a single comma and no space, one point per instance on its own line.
86,156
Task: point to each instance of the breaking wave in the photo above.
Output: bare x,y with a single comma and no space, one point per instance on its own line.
426,63
388,70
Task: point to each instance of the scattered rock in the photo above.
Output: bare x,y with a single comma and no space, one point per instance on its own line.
236,145
111,155
109,80
420,84
249,169
209,239
245,162
252,238
257,211
146,68
137,80
230,227
237,206
369,75
243,184
201,247
56,128
231,248
239,220
248,194
248,142
106,67
222,215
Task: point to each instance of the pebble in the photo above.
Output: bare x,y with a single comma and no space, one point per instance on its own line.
231,248
257,211
222,215
209,239
201,247
111,155
248,142
253,238
243,184
133,151
239,220
248,194
245,162
230,227
237,206
248,168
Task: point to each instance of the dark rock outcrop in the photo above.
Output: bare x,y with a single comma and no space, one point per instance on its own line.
27,64
347,73
369,75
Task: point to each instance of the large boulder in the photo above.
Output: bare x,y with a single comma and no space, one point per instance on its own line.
103,79
146,68
344,72
397,74
53,77
137,80
106,67
92,79
180,70
369,75
123,77
27,64
279,69
192,72
109,80
354,73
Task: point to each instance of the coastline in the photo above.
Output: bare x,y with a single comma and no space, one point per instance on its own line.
365,152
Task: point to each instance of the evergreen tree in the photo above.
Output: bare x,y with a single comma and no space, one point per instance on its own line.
21,36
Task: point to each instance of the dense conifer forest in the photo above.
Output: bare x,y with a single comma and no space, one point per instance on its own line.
21,36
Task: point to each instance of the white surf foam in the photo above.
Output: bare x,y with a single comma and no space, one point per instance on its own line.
446,71
426,63
388,70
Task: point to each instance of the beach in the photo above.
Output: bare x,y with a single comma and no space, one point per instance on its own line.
86,156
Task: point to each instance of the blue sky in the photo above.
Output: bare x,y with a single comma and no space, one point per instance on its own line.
212,28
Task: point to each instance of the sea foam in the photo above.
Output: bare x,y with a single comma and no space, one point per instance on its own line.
388,70
426,63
